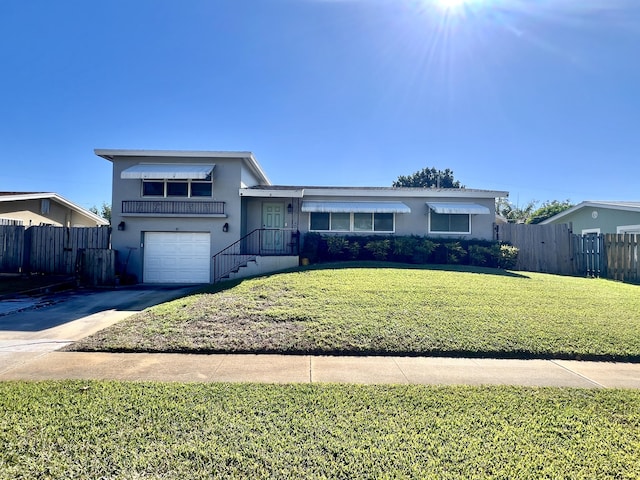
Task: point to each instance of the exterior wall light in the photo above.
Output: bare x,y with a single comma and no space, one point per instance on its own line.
225,227
121,226
290,208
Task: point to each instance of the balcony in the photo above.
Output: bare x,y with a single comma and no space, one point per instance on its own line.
172,208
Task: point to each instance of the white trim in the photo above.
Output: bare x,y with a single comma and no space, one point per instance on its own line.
271,193
634,229
590,231
441,232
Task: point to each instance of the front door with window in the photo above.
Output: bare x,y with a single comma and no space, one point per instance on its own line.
272,222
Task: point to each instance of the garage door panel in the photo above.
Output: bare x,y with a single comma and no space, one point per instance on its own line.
177,257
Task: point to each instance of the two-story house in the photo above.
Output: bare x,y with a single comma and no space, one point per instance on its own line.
194,217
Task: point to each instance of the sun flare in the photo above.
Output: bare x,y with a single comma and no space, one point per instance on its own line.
452,4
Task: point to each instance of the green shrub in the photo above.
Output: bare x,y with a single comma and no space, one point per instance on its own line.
455,253
404,248
310,246
484,256
508,256
423,251
379,248
337,246
353,250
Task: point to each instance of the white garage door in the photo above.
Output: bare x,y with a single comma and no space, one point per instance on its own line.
176,257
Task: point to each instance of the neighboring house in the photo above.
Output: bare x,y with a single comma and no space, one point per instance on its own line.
600,217
42,208
188,216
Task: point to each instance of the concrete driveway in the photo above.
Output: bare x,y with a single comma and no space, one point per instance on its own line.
31,327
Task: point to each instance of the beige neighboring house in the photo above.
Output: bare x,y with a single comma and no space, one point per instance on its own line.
44,208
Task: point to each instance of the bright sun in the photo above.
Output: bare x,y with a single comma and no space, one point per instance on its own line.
452,4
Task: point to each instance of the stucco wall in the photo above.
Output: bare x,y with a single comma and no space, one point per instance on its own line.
607,219
30,212
226,182
414,223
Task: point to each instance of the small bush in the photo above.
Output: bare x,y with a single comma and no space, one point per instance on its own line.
424,250
508,256
404,248
353,250
310,246
337,246
455,253
379,248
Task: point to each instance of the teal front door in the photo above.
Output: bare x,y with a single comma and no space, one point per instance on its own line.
272,223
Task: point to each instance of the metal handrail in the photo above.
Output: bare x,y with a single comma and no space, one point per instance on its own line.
259,242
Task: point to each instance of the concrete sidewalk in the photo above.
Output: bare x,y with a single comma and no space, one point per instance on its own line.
319,369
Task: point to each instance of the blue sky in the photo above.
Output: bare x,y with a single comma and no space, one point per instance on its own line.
538,98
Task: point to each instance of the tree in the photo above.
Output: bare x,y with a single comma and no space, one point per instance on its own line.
514,213
548,210
428,177
530,212
104,212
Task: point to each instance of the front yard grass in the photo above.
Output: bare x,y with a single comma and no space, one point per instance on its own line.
75,429
402,311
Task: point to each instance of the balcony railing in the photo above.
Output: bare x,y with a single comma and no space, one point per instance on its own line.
172,207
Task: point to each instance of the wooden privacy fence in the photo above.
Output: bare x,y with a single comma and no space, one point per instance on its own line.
542,248
59,251
555,249
622,252
11,248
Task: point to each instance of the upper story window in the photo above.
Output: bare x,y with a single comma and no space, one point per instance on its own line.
177,188
172,180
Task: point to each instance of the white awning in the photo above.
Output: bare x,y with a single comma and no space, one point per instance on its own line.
469,208
355,207
167,171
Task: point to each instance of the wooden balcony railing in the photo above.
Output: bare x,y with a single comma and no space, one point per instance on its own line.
172,207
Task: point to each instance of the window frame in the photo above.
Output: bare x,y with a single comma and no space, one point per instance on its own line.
449,232
165,187
351,222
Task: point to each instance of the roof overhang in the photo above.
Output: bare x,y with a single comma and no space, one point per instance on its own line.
272,193
355,207
150,171
463,208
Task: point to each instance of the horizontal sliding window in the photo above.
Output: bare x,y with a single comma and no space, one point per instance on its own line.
449,222
351,222
178,188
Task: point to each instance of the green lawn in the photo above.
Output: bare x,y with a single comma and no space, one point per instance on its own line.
386,310
147,430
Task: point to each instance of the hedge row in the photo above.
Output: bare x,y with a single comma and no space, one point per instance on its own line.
408,249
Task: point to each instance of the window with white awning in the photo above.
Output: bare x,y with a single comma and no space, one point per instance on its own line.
172,180
353,216
453,217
